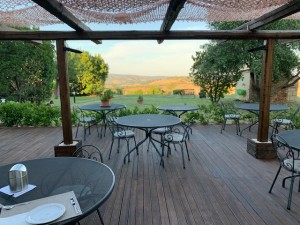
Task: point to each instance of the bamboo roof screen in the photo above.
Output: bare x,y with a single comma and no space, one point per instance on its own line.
27,13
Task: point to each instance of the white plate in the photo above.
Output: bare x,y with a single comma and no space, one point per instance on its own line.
45,213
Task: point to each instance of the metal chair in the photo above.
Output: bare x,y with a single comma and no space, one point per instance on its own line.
159,131
118,133
177,135
90,152
86,119
229,114
287,122
289,159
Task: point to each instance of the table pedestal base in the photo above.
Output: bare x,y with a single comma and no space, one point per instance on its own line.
260,150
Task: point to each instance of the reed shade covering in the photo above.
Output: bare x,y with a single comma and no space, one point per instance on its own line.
27,13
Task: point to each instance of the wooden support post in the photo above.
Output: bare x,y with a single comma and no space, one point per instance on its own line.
64,92
265,92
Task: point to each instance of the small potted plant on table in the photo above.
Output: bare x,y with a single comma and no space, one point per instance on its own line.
105,97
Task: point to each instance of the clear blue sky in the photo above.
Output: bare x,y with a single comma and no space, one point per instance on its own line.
171,58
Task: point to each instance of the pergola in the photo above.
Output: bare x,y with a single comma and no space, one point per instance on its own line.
76,13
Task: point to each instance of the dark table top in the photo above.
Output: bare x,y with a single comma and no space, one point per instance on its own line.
62,174
292,137
98,107
255,107
178,107
148,120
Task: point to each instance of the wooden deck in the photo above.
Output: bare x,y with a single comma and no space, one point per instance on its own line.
222,184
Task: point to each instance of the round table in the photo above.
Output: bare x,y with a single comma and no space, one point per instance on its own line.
147,123
62,174
292,138
177,110
254,108
103,111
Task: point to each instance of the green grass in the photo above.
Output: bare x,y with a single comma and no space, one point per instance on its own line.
131,100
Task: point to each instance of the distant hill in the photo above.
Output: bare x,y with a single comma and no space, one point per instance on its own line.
132,84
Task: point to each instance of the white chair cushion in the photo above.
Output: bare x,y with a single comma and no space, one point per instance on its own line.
161,130
289,162
232,116
124,134
88,119
173,137
283,121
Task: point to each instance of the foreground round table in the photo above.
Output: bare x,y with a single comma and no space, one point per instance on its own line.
62,174
103,111
292,137
147,123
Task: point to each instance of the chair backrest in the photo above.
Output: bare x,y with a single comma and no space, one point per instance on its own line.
181,129
226,109
285,154
89,152
78,112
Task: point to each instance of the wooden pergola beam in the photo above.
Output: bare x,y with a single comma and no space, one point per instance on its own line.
150,35
57,9
279,13
173,10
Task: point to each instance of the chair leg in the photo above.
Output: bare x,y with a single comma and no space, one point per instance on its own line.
223,125
291,193
100,217
187,151
183,163
137,149
111,146
77,130
275,179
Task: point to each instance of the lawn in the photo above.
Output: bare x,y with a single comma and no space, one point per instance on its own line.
131,100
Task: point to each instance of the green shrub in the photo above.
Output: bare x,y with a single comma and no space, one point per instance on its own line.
29,114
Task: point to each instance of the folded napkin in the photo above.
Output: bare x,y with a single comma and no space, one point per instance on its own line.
17,215
6,190
19,219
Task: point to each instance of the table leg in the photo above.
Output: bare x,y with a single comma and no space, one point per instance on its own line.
151,140
252,124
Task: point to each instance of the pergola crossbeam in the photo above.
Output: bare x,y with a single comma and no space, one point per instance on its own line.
173,10
279,13
57,9
150,35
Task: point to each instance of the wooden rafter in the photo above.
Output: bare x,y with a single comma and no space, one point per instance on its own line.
62,13
279,13
150,35
174,9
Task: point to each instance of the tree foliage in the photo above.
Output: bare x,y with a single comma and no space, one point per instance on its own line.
215,72
234,55
27,71
87,73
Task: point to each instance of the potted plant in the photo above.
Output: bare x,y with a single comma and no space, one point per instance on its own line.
140,99
105,97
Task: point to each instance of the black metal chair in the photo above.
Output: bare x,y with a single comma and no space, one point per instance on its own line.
118,132
289,159
86,119
178,135
94,153
288,122
159,131
230,114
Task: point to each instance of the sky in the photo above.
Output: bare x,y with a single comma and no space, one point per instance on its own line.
136,57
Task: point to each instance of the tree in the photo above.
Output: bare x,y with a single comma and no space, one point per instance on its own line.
27,71
87,73
214,71
286,60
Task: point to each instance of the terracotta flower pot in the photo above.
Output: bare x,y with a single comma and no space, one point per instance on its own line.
105,103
